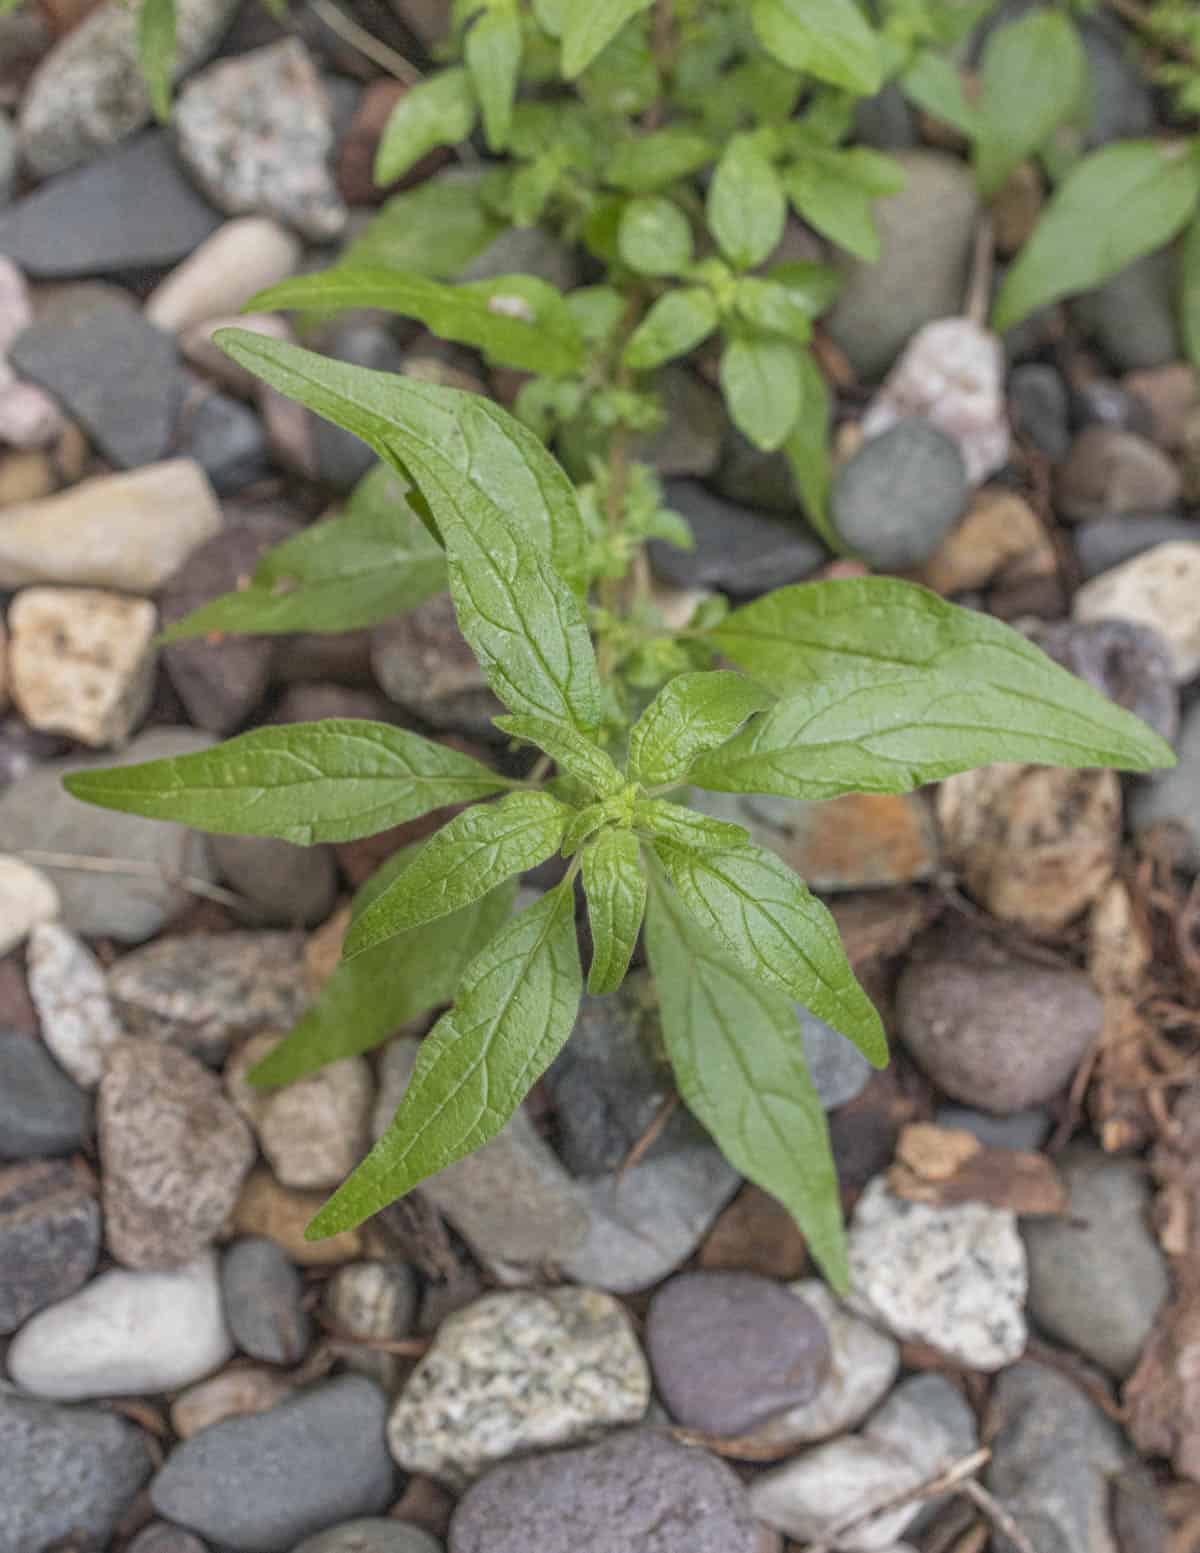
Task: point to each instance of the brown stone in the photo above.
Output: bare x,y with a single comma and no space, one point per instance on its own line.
1110,471
1001,540
945,1166
1016,207
863,840
1172,394
267,1208
237,1391
879,924
755,1234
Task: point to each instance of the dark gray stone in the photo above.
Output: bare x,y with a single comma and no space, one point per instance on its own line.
343,458
371,1536
740,552
1106,543
259,1484
129,210
1171,799
1102,402
41,1110
1129,663
898,497
262,1292
729,1350
1121,102
49,1237
748,477
421,660
1022,1130
67,1474
886,121
228,440
637,1492
1132,316
111,370
1040,408
281,883
838,1069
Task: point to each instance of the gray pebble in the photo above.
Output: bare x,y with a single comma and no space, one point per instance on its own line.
1039,407
897,498
1128,662
49,1237
1171,799
229,442
41,1110
738,550
1101,545
262,1294
1132,316
837,1068
422,662
1020,1130
371,1536
279,883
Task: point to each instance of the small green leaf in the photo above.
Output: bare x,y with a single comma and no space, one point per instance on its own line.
936,85
808,453
440,111
824,195
359,570
747,207
674,325
772,309
1117,204
805,637
691,714
492,51
652,162
368,999
827,38
515,320
572,751
735,1046
435,229
332,780
766,918
588,26
584,823
616,896
156,53
1189,293
763,388
654,237
1034,75
813,288
514,1010
463,862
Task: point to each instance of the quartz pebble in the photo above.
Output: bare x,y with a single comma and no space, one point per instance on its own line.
68,990
27,898
49,1237
241,258
1156,588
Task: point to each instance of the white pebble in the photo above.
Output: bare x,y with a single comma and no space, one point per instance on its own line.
69,991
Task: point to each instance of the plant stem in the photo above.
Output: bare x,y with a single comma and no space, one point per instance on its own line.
367,44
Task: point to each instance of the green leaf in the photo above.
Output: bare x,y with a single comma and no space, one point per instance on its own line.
492,51
156,53
773,309
435,229
359,570
936,85
747,208
1117,204
804,637
438,112
821,190
464,861
332,780
808,453
736,1049
572,751
368,999
616,896
675,324
812,287
515,320
1189,293
827,38
691,714
763,914
763,388
654,237
514,1010
652,162
588,26
1034,75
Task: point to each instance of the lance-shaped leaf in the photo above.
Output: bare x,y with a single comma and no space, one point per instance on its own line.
736,1049
572,751
1035,75
368,999
515,320
827,38
376,561
691,714
438,112
590,25
808,453
435,229
493,54
616,896
332,780
765,916
514,1009
881,627
673,326
463,862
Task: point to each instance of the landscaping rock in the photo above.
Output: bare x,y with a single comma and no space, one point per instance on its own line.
372,1300
1000,542
896,499
240,259
266,1208
67,1474
1023,1130
1132,316
1156,588
174,1155
421,661
8,159
281,884
1130,663
160,1537
227,439
737,550
1039,407
125,1334
262,1293
236,1392
49,1237
755,1234
1110,472
838,1069
342,459
261,1484
1097,1276
517,1372
41,1110
371,1536
1170,800
130,532
68,991
27,898
952,1277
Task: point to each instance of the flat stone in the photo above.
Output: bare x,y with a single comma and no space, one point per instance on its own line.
739,551
755,1234
161,1537
372,1300
421,661
638,1492
237,1392
262,1293
68,991
125,1334
202,991
1097,1277
281,884
173,1152
41,1110
1132,315
896,499
1111,472
111,370
241,258
130,531
517,1372
1001,541
136,890
27,898
49,1237
1171,393
227,439
371,1536
256,133
267,1208
1023,1130
1156,588
1169,799
82,662
67,1474
261,1484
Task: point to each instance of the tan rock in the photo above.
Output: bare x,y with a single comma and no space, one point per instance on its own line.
1110,471
267,1208
24,477
859,841
1016,207
198,346
235,1393
945,1166
1001,539
27,898
1158,588
82,662
238,260
323,950
1172,393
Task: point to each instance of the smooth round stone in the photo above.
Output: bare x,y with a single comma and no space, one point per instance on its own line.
422,662
1130,663
1132,316
49,1237
229,442
371,1535
26,898
730,1350
1110,472
637,1492
262,1293
838,1069
1171,799
160,1537
1106,543
280,883
897,498
1040,408
738,549
41,1110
